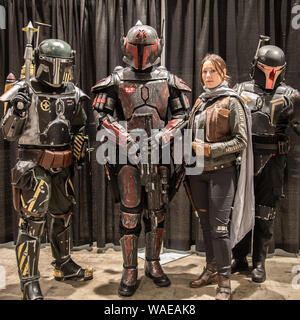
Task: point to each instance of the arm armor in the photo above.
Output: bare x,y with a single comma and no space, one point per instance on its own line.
179,108
103,105
170,130
117,133
12,125
104,108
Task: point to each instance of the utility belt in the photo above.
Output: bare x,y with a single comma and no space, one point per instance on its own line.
279,144
48,159
220,166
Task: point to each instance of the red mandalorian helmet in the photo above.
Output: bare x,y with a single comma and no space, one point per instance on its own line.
269,67
142,47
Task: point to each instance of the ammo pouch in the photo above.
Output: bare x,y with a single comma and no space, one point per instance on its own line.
46,158
217,121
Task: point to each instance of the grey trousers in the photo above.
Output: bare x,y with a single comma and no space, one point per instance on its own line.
213,193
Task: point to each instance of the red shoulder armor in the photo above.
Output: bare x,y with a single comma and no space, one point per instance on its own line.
178,83
103,83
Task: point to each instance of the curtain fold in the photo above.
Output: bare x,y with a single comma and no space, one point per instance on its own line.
93,28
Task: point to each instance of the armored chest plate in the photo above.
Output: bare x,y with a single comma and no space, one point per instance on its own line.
266,110
140,98
49,120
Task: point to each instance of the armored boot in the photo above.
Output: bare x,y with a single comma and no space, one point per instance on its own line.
260,249
263,232
27,252
128,284
64,267
223,289
153,269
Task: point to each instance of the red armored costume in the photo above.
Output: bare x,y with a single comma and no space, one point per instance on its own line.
145,97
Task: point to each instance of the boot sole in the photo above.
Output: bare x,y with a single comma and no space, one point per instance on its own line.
230,298
73,278
259,281
128,293
166,284
125,294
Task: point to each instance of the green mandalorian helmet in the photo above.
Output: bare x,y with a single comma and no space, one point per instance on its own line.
54,61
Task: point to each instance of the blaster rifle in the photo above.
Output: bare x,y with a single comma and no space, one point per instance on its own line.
150,178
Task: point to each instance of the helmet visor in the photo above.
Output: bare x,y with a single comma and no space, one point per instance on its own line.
271,74
58,69
141,53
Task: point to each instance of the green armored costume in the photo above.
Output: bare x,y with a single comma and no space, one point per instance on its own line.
46,116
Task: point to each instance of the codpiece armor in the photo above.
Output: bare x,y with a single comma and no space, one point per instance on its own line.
272,110
146,97
48,120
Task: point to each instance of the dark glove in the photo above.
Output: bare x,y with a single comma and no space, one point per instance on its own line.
21,102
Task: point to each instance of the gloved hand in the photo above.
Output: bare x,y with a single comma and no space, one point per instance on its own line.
201,148
21,102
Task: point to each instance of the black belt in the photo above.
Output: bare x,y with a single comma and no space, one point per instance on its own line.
277,144
267,147
274,139
220,166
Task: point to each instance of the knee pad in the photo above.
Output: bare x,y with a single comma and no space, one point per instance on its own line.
32,227
130,223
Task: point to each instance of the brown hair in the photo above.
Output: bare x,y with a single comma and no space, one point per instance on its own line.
218,63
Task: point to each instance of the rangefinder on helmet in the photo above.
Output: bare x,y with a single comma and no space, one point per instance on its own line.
141,47
54,61
269,67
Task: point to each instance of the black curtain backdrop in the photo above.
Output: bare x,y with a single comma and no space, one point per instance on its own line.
193,28
93,28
